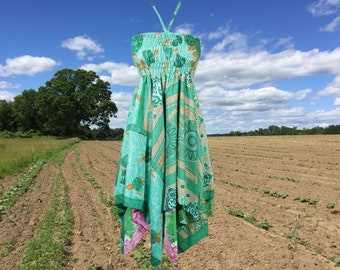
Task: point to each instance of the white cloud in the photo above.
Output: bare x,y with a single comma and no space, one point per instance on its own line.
332,26
122,101
332,89
286,43
234,41
237,69
184,28
324,7
5,95
115,73
26,65
7,85
84,46
302,94
337,101
220,32
245,101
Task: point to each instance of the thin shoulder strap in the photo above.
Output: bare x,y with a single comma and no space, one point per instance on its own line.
172,19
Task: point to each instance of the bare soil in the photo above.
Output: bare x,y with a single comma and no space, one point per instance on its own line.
246,170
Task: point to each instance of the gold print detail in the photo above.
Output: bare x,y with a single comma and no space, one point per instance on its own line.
165,67
160,162
191,228
155,53
191,48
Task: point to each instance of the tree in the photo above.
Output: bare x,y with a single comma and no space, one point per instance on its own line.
6,116
26,111
72,99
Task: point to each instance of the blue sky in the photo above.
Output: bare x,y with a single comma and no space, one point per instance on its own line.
263,62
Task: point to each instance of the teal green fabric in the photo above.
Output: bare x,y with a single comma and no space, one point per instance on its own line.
164,182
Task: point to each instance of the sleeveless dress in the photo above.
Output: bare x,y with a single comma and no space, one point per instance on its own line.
164,181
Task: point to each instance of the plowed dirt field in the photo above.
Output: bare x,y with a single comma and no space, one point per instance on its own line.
291,182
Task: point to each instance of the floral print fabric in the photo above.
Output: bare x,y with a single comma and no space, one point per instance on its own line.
164,182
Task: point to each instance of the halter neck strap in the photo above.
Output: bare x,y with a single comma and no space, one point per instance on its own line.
172,19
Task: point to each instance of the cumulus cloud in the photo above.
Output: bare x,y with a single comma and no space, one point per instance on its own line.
7,85
85,47
123,101
26,65
242,69
332,89
245,100
5,95
115,73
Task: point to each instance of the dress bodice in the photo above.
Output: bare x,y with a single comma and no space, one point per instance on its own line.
165,53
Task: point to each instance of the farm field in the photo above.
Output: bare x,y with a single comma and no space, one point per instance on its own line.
277,203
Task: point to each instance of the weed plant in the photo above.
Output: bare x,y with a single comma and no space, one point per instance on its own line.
275,194
306,200
336,259
293,235
330,205
263,224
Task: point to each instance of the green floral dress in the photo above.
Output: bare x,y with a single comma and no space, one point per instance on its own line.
164,182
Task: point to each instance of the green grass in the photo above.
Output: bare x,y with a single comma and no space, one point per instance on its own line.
46,153
48,248
20,153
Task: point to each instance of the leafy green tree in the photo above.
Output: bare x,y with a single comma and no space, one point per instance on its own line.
73,99
26,111
6,116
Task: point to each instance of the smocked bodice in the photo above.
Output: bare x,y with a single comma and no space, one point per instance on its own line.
165,53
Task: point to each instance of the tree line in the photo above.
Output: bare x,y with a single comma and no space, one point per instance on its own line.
73,103
283,130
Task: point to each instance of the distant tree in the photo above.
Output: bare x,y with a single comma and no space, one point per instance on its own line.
6,116
26,111
274,130
72,99
288,131
332,129
117,133
316,130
